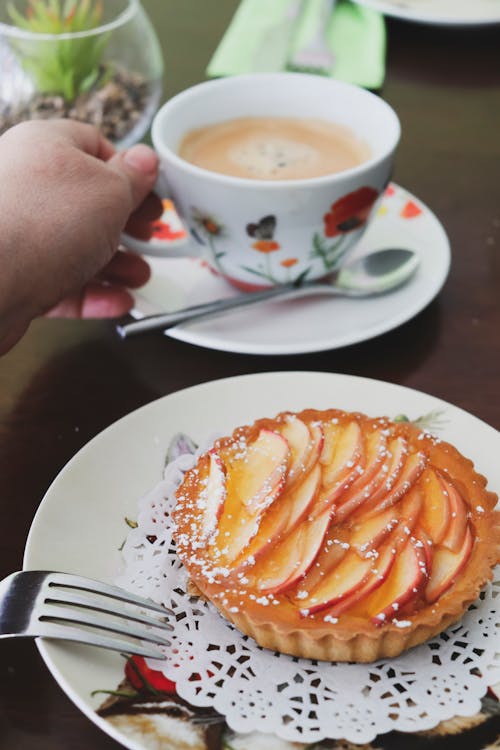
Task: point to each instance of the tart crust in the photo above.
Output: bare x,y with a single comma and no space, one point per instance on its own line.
276,619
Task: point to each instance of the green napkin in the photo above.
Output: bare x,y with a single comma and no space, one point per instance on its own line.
262,36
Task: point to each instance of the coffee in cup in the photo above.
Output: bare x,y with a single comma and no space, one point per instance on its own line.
274,148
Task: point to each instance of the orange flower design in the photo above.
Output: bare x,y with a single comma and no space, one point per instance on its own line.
289,262
207,223
266,246
350,212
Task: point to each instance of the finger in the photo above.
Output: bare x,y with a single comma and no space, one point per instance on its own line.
126,269
96,301
140,223
106,302
85,137
139,166
150,209
89,139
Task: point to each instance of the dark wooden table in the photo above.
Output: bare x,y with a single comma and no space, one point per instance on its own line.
67,380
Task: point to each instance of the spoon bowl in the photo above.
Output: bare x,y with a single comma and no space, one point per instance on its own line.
377,273
369,276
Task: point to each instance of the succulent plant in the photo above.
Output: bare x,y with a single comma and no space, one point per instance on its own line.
69,66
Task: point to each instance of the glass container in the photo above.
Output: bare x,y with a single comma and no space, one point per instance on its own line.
109,75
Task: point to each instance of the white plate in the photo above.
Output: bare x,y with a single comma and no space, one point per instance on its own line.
314,324
442,12
79,526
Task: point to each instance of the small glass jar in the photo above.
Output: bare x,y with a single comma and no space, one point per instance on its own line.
110,75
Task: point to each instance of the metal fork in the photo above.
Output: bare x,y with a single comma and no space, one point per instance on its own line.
68,607
316,56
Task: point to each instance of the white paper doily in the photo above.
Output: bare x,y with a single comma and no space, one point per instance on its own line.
213,664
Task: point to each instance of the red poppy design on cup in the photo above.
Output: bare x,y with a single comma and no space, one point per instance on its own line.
350,212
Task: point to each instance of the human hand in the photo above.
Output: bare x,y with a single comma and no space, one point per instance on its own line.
67,197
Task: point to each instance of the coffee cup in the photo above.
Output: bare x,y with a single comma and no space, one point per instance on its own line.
259,232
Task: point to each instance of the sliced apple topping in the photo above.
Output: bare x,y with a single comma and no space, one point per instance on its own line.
255,480
347,460
436,514
410,472
458,517
410,508
346,577
288,563
305,446
368,535
334,547
213,497
260,475
428,548
446,566
397,450
346,455
368,480
403,585
300,500
291,507
381,567
331,432
317,441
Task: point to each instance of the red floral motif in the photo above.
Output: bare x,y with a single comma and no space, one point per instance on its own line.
143,677
411,210
163,231
289,262
390,191
350,212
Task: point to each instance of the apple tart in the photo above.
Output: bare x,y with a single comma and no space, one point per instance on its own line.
336,536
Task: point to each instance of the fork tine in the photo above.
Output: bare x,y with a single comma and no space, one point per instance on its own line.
68,633
66,614
62,597
114,592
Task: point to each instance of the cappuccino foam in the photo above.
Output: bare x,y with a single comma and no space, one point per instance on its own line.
274,148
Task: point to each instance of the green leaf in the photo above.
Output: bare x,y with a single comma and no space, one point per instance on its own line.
87,83
17,18
69,66
302,277
257,273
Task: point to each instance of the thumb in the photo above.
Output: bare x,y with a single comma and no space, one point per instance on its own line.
139,165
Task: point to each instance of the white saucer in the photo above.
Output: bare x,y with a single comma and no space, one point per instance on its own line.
317,323
442,12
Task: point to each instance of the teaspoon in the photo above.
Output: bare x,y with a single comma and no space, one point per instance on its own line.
374,274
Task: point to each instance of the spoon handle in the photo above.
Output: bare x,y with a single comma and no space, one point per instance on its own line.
167,320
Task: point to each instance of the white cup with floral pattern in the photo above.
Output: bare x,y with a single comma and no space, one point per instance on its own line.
255,232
